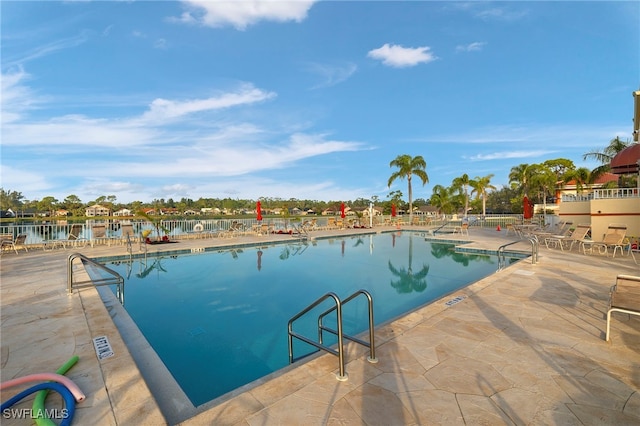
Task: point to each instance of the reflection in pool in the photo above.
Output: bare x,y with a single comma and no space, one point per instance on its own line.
218,320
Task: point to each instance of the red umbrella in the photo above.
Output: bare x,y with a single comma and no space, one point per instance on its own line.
527,208
393,210
259,210
342,215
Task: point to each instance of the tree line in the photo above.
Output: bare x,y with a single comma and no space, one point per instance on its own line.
477,195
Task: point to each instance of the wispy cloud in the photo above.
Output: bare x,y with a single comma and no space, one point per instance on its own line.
533,134
46,49
163,109
397,56
504,155
501,14
241,14
471,47
490,11
160,44
141,146
331,75
17,98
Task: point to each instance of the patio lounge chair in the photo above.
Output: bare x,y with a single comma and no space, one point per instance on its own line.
13,244
463,229
73,239
613,238
99,234
624,297
577,235
128,233
236,229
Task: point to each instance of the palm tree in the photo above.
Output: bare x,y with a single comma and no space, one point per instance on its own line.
442,198
605,156
480,186
581,176
407,167
520,176
463,182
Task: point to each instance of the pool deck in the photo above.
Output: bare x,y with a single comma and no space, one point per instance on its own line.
522,346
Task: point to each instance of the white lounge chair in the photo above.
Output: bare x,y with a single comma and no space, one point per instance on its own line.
613,238
624,297
576,235
13,244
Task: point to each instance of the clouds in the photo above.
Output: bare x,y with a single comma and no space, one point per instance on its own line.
332,75
401,57
471,47
504,155
298,99
163,143
162,110
242,14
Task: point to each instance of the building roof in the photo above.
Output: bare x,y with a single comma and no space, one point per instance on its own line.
626,161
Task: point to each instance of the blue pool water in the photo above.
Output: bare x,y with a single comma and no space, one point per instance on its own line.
218,320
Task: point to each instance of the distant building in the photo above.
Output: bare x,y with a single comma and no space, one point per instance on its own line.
97,210
123,212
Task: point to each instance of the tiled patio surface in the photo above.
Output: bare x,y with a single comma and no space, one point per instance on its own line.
525,346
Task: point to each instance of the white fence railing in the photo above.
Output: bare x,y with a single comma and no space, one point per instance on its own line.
599,194
49,231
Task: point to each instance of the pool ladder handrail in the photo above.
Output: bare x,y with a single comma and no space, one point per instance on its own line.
342,375
444,225
115,279
535,246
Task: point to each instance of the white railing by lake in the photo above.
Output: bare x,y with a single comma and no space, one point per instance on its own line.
50,231
600,194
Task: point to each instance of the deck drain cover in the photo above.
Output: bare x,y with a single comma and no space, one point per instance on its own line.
103,347
455,300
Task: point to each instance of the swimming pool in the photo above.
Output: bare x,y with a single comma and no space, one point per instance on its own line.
218,320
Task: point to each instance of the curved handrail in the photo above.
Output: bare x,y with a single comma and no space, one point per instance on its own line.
341,336
371,345
340,352
534,250
115,279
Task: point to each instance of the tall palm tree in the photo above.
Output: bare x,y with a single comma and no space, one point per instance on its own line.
480,187
407,167
463,182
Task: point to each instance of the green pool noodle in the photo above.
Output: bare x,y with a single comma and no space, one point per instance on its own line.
38,402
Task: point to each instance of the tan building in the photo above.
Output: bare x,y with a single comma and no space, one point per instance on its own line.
97,210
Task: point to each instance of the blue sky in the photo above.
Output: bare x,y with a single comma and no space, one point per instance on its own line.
304,99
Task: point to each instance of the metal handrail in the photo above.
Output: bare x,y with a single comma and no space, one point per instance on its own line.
371,344
342,376
502,259
115,279
433,231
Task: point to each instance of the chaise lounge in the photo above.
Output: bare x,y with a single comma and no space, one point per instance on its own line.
624,297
